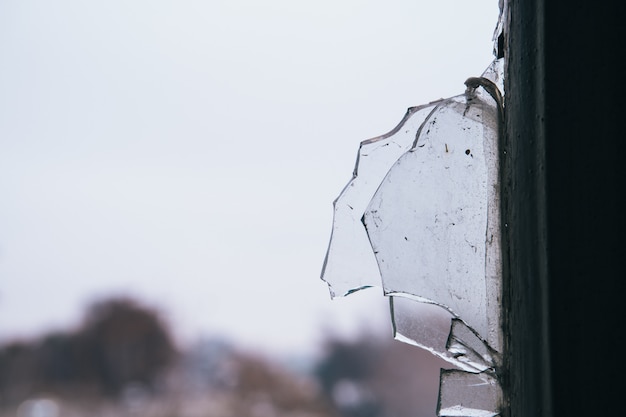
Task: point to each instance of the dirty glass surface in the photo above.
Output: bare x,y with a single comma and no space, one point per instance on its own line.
421,219
428,220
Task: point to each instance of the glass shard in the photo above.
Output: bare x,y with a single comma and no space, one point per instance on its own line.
421,217
469,348
421,324
495,74
429,222
464,394
350,264
428,326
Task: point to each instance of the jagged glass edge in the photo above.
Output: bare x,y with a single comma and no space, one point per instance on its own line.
408,114
494,72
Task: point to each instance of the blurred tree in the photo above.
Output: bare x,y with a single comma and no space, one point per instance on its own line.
120,342
18,371
124,343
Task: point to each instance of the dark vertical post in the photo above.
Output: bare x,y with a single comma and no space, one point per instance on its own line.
563,187
527,381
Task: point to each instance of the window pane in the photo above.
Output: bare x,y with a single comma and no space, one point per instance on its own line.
421,219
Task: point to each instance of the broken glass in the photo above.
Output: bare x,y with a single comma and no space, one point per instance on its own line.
421,218
467,347
466,394
421,324
495,74
435,329
350,264
428,221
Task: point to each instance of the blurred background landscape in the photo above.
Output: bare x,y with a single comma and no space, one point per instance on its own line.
167,170
122,361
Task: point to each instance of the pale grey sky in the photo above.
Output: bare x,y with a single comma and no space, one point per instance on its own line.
188,152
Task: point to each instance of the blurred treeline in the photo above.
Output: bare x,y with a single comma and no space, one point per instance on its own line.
122,361
117,343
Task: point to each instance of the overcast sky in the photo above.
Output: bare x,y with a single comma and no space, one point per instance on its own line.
187,152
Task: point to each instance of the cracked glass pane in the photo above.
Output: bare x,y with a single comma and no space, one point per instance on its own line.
467,346
421,324
350,264
421,218
465,394
428,222
435,329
